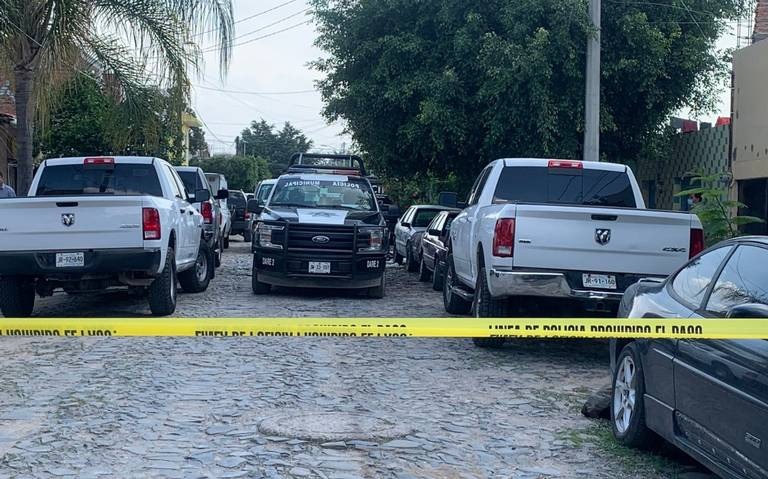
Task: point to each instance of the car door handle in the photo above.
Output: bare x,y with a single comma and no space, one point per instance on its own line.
183,210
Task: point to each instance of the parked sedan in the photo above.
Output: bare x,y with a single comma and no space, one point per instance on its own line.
415,220
433,249
708,397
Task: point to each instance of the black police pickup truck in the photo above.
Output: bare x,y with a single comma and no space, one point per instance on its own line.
321,228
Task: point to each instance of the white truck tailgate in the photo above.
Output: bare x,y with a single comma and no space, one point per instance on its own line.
70,223
631,241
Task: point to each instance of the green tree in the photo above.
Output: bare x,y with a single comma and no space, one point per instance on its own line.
718,213
437,86
276,146
122,43
242,172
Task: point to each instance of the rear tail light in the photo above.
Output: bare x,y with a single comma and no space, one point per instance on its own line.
247,216
565,164
151,223
504,238
207,211
697,242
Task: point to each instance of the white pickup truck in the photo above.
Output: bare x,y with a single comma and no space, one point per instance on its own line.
559,229
95,223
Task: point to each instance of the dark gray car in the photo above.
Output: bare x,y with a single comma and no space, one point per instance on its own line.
707,397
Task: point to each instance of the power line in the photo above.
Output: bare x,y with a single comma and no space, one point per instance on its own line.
276,22
261,37
263,12
256,93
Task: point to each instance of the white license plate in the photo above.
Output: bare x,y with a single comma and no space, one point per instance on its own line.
319,267
602,281
70,260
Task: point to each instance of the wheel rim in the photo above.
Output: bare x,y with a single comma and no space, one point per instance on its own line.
624,394
201,266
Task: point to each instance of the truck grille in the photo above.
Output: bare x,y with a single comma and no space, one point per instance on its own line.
341,239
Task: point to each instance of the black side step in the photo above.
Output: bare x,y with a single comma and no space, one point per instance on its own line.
463,293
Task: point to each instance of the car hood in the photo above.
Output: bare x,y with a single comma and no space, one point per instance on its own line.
321,216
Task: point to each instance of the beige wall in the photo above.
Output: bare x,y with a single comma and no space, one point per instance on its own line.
750,112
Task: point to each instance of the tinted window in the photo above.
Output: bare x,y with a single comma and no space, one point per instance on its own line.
743,280
479,185
692,281
422,218
237,198
263,193
175,186
192,181
530,184
121,180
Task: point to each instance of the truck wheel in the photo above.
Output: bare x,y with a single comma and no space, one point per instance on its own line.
486,306
17,297
197,278
162,291
398,258
226,242
257,286
438,276
453,303
410,262
423,271
247,235
377,292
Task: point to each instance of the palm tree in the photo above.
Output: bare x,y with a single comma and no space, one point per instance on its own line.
135,44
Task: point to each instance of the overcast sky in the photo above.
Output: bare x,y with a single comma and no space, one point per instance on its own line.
269,65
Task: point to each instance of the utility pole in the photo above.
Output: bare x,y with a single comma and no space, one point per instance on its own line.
592,96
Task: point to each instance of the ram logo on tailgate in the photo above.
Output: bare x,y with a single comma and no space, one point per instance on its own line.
68,219
602,236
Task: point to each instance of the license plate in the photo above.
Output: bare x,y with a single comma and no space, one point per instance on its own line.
70,260
602,281
319,267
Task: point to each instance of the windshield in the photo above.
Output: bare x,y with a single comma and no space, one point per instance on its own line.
263,193
531,184
351,193
121,180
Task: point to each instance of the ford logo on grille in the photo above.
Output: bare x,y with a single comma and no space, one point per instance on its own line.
320,239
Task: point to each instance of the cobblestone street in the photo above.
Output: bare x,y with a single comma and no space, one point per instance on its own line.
295,408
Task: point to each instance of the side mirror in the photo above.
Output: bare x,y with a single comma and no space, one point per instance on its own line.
255,207
222,195
448,199
434,232
201,196
407,225
461,205
751,310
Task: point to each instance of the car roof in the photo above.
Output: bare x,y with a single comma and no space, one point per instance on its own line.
187,168
434,207
268,182
544,162
748,239
320,177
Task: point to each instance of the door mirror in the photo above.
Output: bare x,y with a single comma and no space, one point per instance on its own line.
201,196
222,195
434,232
448,199
752,310
405,225
255,207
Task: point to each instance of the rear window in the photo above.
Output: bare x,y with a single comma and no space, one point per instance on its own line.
192,181
423,218
121,180
237,197
530,184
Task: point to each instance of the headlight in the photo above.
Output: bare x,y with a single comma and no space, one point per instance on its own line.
264,235
376,242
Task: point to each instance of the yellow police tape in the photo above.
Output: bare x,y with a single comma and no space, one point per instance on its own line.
394,327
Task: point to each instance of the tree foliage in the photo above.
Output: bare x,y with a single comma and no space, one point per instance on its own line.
242,172
135,47
437,86
715,210
276,146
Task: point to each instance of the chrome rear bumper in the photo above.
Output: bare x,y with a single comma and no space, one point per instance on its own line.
550,285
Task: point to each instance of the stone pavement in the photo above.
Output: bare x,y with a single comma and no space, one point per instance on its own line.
294,407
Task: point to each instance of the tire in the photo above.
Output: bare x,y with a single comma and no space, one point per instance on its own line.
398,258
485,306
424,274
438,276
257,286
162,291
17,297
378,292
410,262
197,278
453,304
247,235
627,400
226,242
